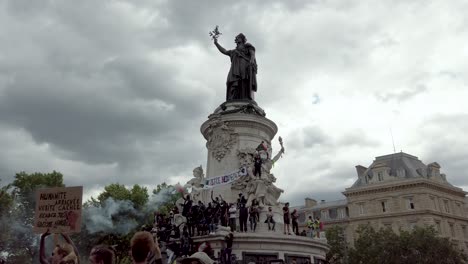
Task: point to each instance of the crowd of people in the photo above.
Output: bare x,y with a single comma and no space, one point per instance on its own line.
204,219
201,220
143,249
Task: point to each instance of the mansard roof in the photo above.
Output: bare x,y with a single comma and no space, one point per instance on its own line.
398,166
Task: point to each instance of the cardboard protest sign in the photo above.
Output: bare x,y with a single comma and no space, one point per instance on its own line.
58,209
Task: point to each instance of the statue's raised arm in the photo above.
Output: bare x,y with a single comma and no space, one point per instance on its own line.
220,48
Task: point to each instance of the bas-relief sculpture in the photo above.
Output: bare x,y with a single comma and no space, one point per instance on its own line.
260,188
221,138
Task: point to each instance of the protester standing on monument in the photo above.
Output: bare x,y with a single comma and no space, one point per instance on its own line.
253,218
270,219
319,226
255,204
243,212
186,205
310,226
241,80
224,208
228,251
232,217
209,218
295,224
257,166
286,219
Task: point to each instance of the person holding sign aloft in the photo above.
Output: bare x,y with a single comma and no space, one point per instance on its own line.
65,253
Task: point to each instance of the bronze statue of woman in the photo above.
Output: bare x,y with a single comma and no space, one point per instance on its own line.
242,77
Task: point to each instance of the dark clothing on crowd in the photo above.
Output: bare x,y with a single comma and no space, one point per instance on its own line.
295,224
257,166
286,218
243,215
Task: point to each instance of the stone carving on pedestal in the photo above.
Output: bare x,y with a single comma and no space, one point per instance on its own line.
260,188
196,183
221,138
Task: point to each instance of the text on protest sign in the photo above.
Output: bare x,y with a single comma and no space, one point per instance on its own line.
58,209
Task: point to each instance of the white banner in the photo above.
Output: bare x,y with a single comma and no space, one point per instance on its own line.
225,179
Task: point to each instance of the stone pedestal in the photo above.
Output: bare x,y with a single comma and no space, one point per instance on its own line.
234,128
231,130
262,247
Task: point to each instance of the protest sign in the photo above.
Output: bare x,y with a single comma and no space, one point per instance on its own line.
225,179
58,209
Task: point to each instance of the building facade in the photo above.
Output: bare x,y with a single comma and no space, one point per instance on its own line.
397,191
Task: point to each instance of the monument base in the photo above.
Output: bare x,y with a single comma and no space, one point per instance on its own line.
262,247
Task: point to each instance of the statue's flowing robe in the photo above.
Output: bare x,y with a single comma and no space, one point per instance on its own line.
242,77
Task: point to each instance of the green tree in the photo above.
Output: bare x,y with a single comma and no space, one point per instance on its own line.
136,197
115,191
168,197
20,243
338,246
422,245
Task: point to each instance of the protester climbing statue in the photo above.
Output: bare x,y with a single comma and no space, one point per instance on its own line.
242,77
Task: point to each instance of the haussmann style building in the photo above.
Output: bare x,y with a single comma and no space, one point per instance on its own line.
396,191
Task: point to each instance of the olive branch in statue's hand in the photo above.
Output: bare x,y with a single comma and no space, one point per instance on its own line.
215,33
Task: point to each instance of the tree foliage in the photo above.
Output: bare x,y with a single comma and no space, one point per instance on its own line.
18,242
338,246
132,208
137,195
119,198
422,245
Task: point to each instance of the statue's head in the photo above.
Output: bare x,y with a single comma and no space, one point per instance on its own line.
240,39
198,172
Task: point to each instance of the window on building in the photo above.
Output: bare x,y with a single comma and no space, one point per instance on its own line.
316,214
459,209
341,213
324,215
302,217
380,175
384,206
434,202
361,208
438,227
464,234
347,211
452,230
410,203
333,213
446,206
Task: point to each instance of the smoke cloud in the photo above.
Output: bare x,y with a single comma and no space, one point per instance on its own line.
120,216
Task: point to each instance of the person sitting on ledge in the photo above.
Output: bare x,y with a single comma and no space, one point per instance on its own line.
270,219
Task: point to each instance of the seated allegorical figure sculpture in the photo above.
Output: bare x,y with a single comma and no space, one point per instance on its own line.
197,183
260,188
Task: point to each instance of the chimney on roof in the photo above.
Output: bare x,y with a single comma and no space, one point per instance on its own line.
360,170
322,201
309,202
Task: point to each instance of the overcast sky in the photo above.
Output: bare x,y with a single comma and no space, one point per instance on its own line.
116,91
